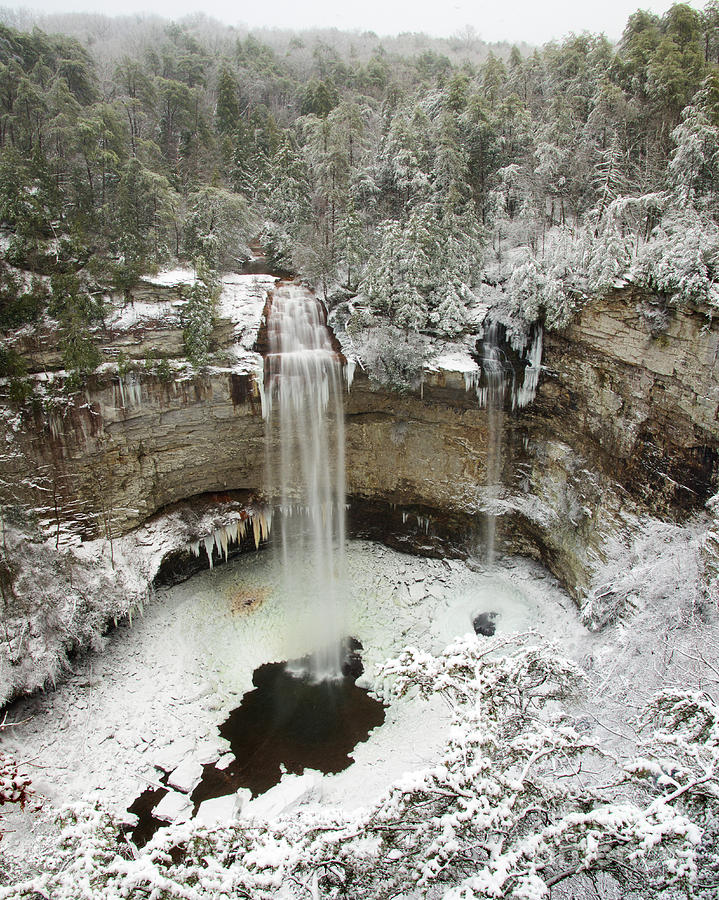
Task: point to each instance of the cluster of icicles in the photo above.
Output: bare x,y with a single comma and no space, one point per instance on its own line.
500,377
259,521
127,392
423,522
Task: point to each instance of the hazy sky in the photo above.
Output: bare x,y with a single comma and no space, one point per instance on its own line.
513,20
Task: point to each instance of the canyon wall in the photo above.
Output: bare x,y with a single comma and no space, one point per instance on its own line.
624,423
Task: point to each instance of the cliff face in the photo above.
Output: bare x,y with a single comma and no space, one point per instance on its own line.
648,402
623,426
133,447
624,423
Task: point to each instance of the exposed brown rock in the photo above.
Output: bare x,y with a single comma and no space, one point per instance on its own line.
624,423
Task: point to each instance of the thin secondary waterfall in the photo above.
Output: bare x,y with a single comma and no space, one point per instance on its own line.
506,378
305,468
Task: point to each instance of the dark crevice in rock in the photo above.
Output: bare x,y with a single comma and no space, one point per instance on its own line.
201,515
419,530
179,565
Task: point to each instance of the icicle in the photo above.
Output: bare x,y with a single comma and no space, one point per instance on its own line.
528,390
256,530
260,389
350,372
209,542
135,390
127,393
195,547
265,516
471,380
404,517
56,426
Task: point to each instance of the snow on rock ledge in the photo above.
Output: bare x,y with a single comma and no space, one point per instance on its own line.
172,278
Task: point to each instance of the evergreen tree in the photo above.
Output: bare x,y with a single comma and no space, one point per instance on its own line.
217,228
227,108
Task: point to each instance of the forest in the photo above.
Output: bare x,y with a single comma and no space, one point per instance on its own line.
417,177
422,196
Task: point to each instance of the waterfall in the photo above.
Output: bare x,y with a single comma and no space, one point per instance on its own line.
494,368
499,385
305,468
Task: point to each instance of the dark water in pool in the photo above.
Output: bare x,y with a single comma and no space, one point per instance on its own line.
287,722
142,807
293,722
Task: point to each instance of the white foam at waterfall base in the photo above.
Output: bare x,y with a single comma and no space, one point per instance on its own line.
305,469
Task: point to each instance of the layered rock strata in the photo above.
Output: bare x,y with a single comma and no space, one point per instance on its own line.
624,424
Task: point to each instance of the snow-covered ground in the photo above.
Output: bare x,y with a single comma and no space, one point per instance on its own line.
172,278
156,695
153,699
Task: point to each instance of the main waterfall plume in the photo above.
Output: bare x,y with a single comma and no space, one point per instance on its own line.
494,369
305,467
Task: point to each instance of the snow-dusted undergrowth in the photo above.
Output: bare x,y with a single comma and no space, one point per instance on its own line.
60,593
518,800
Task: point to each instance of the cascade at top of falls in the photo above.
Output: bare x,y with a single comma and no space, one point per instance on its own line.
302,363
305,471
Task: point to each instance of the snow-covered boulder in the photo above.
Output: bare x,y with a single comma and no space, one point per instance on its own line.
225,760
219,810
169,758
285,796
186,776
174,807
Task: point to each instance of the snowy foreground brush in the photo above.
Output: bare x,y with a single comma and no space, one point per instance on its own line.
519,801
